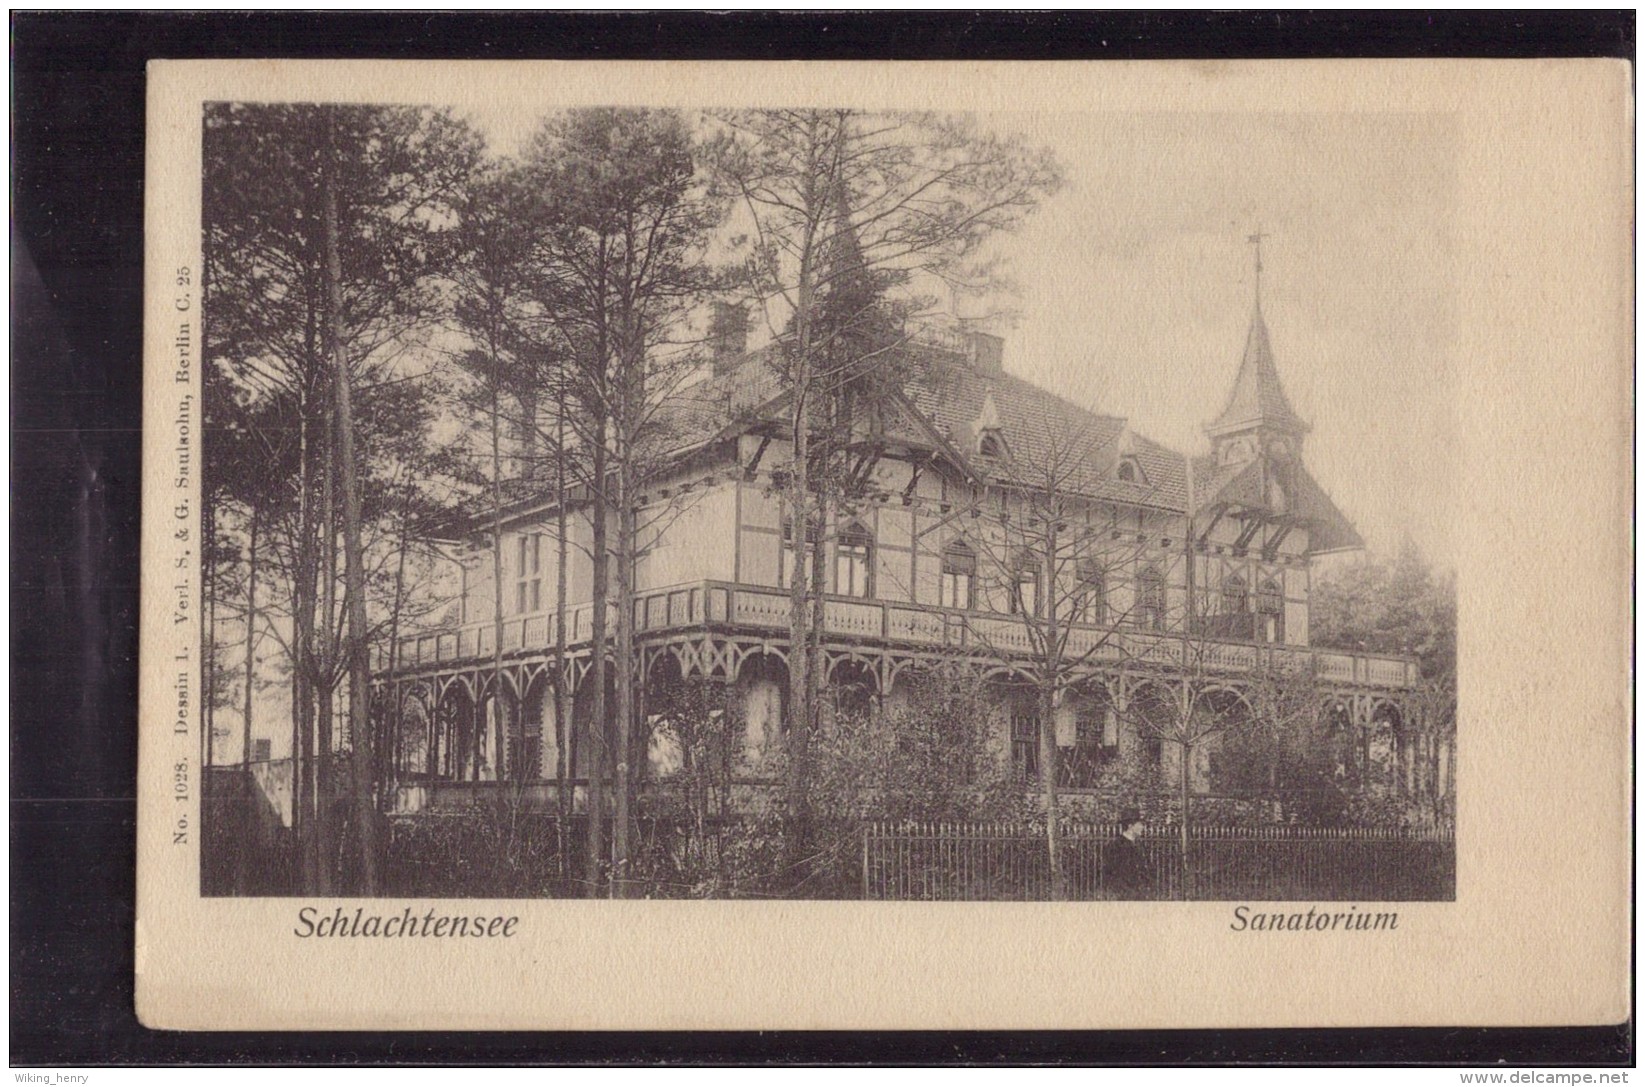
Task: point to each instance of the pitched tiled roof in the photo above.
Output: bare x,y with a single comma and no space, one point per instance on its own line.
1037,427
698,412
1043,432
1257,396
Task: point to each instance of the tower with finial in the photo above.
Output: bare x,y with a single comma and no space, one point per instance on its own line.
1257,420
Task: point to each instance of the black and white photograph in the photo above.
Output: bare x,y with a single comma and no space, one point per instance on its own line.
881,546
827,503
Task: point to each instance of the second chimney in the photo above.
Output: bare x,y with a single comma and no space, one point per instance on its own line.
728,335
987,352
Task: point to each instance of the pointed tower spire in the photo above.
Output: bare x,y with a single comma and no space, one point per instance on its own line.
1256,247
1257,401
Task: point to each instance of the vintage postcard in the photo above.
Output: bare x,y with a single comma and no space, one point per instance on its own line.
946,545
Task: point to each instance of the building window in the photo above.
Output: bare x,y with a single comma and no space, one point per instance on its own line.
853,562
1096,744
1128,471
1151,599
1271,611
785,555
1025,585
1234,597
959,575
528,589
1091,594
1025,746
525,753
989,444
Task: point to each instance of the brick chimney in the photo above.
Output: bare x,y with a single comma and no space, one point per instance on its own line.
987,352
728,335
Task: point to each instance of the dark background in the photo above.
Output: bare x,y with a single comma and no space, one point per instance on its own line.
76,258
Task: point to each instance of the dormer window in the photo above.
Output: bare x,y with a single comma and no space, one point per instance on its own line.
1129,471
986,426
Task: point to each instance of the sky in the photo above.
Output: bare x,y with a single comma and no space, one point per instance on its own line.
1137,290
1134,286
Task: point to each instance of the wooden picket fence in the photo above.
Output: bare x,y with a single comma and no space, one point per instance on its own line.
1002,861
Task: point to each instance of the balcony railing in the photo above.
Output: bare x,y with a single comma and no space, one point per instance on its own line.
718,604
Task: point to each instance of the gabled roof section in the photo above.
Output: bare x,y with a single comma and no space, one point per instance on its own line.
1231,484
1246,485
1328,528
1040,428
1258,398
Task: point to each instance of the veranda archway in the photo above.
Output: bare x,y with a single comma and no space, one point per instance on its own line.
762,692
1343,737
853,687
532,745
1087,735
1148,718
665,688
585,737
412,755
1388,745
1223,716
496,720
450,752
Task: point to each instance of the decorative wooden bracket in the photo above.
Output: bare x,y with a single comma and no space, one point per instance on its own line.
1271,549
913,481
1215,521
754,462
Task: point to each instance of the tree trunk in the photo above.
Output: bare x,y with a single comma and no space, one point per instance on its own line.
563,760
597,725
799,615
325,684
1048,783
359,702
497,722
1051,647
394,740
306,797
624,669
305,803
816,663
251,808
316,875
801,591
1185,891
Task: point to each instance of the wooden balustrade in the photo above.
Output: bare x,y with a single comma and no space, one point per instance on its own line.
699,603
